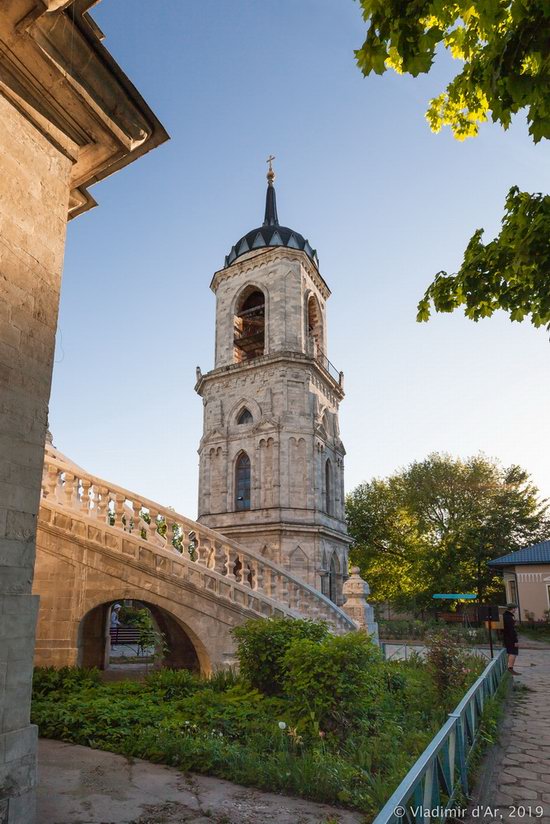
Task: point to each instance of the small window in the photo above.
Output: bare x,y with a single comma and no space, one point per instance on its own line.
242,482
244,417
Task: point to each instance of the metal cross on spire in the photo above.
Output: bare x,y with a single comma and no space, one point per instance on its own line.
270,172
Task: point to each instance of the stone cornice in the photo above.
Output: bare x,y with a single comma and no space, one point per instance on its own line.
251,261
56,72
292,358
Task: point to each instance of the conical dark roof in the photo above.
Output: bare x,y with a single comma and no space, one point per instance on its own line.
270,234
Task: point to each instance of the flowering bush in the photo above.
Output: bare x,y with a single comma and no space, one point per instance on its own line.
449,663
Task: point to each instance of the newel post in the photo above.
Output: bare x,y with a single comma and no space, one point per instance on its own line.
356,592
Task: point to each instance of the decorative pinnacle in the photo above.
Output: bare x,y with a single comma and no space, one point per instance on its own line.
270,173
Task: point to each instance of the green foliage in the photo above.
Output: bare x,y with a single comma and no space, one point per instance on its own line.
49,679
511,272
149,636
502,48
262,645
333,683
504,52
383,715
433,526
172,683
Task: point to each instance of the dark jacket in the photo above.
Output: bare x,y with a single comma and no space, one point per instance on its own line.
509,634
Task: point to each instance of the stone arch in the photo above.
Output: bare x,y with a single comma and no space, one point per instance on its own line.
186,649
249,323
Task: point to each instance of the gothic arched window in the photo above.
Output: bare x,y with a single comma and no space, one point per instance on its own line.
242,482
249,325
245,416
328,487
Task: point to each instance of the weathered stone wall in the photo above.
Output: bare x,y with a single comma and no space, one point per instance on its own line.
295,518
79,576
287,285
34,192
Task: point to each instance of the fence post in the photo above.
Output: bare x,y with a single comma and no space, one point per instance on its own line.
461,752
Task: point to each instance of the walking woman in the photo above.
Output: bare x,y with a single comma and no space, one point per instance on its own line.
510,636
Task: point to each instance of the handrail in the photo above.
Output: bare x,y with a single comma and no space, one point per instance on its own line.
69,486
433,782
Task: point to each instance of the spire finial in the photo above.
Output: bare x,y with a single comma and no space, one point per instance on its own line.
270,173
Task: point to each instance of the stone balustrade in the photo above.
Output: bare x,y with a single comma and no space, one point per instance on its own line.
175,546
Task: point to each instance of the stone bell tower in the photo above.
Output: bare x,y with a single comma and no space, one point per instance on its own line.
271,458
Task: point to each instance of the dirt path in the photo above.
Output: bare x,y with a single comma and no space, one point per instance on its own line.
78,785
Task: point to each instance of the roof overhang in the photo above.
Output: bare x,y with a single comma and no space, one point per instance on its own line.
55,70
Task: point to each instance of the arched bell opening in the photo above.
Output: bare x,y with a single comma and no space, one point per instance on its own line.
249,325
142,636
314,326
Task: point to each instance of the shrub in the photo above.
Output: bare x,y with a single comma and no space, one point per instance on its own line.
333,684
262,644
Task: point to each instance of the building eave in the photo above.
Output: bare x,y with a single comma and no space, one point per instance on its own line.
56,71
271,254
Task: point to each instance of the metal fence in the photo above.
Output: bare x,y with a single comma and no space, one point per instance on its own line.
329,367
431,787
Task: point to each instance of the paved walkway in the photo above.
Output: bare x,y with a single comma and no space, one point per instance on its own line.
516,778
78,785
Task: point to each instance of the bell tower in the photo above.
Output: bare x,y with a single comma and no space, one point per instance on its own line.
271,457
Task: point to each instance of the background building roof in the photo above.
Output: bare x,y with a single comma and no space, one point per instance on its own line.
536,554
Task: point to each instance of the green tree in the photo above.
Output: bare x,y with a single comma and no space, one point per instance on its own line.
504,51
433,526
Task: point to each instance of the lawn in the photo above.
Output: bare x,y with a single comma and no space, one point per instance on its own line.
312,715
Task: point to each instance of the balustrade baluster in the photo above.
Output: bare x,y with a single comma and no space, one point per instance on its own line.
284,590
51,481
136,518
119,510
259,580
102,503
248,572
68,489
203,552
267,580
85,500
220,558
298,597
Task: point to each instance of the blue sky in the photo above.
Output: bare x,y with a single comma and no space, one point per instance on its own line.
386,203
